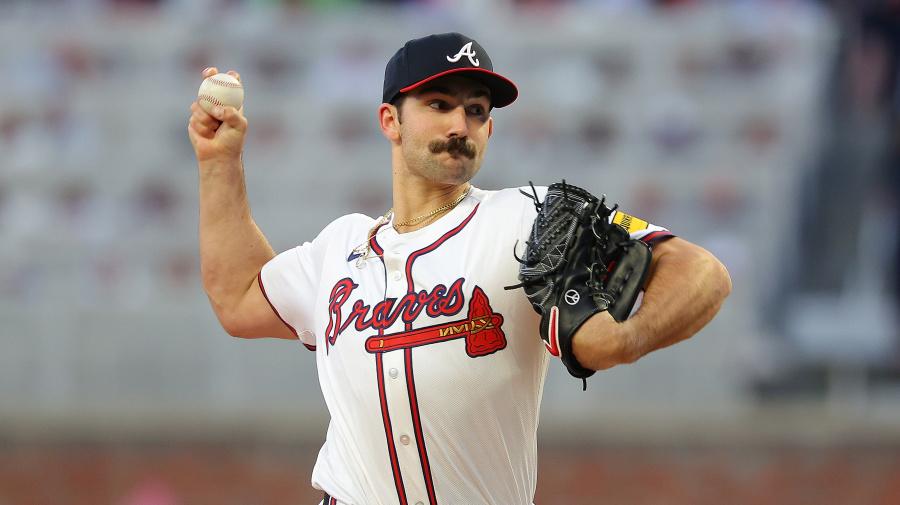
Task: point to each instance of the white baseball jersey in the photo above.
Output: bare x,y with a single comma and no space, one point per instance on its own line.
431,371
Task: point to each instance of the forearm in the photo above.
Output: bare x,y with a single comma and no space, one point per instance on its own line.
232,248
685,290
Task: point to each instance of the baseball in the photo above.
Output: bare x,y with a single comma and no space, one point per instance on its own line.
222,90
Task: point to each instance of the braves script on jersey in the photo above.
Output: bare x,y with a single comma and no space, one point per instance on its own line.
432,372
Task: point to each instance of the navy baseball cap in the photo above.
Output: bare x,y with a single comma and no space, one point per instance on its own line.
427,58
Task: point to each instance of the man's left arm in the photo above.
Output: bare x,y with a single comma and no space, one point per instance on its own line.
685,288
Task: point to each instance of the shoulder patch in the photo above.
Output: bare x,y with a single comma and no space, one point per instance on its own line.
630,223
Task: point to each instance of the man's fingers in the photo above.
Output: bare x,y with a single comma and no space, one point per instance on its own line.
203,122
230,116
213,71
217,115
201,129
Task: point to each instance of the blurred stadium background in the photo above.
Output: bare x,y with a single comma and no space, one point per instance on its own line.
764,130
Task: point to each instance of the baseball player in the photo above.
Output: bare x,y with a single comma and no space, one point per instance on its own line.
431,370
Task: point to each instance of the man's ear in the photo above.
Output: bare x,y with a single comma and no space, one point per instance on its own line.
388,118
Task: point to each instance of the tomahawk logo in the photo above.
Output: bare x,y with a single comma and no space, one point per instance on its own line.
481,330
465,51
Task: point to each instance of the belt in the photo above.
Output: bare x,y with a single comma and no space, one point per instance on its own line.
329,500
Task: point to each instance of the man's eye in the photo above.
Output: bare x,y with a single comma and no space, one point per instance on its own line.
477,110
437,104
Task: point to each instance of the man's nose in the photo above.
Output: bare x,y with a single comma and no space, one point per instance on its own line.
458,124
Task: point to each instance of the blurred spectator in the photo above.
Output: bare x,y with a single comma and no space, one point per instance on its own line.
860,119
181,274
674,123
599,132
846,193
12,128
761,132
676,3
540,3
135,4
82,215
157,203
24,216
350,73
725,212
881,37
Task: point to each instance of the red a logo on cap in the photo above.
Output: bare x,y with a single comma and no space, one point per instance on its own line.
465,51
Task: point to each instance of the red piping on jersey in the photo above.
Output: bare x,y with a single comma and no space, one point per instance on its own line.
432,247
388,431
417,426
263,289
373,243
411,386
656,235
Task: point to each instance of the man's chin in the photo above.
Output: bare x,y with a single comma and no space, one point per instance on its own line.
453,175
453,170
462,168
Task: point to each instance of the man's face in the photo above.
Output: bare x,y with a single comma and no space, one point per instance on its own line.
444,129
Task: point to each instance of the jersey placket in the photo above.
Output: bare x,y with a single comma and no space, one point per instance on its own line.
397,401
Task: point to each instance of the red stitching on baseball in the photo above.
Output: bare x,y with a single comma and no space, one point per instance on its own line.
227,84
211,99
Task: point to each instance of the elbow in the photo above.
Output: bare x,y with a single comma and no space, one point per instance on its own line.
227,305
708,273
253,322
233,327
711,288
232,324
234,321
719,278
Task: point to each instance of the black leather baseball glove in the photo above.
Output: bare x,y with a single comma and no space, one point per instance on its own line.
576,264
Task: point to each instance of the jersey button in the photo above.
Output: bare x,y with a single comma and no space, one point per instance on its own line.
404,439
396,276
393,373
419,503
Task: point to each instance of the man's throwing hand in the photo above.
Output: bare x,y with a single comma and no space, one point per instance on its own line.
218,135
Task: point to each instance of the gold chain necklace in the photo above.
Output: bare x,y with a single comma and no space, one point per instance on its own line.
449,206
362,251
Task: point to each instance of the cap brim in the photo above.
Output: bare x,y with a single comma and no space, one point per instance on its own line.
503,91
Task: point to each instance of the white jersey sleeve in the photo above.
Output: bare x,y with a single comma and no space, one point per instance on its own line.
298,271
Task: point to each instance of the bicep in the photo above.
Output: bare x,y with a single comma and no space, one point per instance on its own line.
676,258
659,248
672,252
254,317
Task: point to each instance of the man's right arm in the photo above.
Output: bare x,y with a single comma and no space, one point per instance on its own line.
233,250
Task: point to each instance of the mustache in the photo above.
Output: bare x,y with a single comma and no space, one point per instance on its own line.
455,145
